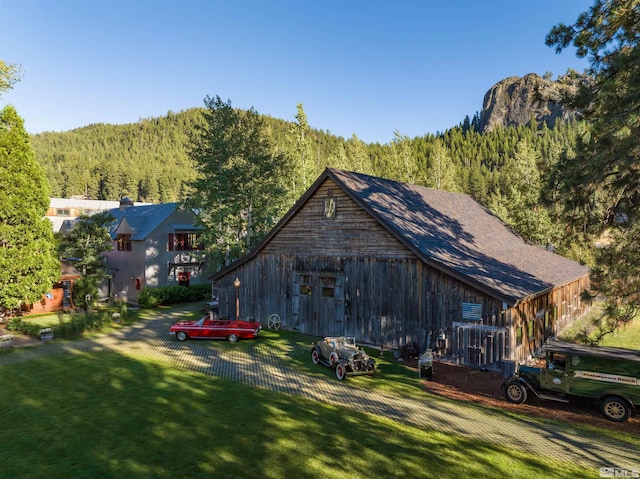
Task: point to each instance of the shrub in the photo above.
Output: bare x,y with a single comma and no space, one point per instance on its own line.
149,298
84,287
14,324
152,297
24,327
78,323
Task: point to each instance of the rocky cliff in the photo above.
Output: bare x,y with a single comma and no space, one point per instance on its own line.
514,100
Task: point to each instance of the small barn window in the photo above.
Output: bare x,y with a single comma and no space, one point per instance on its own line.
519,336
329,207
327,292
328,283
305,285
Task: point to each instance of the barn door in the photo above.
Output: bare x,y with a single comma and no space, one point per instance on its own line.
318,304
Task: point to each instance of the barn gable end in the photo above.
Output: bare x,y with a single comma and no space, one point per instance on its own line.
331,224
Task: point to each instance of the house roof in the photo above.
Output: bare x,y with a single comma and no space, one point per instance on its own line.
67,270
142,219
452,233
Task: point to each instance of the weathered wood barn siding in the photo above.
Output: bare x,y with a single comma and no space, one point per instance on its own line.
537,319
393,264
362,281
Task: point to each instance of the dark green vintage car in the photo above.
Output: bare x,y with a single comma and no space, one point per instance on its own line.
608,375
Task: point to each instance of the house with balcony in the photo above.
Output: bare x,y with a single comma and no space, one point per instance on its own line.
153,246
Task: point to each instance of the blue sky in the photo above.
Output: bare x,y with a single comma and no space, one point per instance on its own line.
364,67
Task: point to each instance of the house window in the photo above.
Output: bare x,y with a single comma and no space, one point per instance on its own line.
185,242
184,278
63,212
124,242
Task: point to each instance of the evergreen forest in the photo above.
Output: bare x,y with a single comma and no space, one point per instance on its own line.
508,170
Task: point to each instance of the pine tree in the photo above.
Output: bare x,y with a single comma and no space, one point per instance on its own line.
241,190
601,185
517,202
305,171
441,173
358,156
28,261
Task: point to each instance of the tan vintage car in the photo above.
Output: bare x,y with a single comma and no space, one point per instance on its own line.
342,354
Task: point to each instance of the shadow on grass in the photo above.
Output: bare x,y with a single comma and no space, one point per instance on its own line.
107,415
88,410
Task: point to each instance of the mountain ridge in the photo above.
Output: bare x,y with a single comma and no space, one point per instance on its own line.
515,101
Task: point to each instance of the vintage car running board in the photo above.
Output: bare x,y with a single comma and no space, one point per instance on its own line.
324,361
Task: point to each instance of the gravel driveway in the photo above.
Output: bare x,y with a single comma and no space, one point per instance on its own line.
256,366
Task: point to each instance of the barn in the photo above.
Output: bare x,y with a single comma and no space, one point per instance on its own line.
395,264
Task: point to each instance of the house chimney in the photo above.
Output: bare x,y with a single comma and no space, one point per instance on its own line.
125,203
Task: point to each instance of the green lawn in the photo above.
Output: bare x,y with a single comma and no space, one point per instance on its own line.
110,416
628,336
105,415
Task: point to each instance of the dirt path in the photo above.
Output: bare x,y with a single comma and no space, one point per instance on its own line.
256,366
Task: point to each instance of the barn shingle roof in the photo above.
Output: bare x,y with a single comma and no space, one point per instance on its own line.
455,234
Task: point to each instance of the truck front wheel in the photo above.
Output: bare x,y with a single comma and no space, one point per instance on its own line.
615,408
515,392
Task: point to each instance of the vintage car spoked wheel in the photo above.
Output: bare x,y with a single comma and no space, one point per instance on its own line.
515,392
274,322
333,359
181,336
315,356
232,338
615,408
341,371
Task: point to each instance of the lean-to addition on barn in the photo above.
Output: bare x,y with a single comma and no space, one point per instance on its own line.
393,263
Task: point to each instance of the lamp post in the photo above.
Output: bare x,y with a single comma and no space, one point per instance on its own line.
236,283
